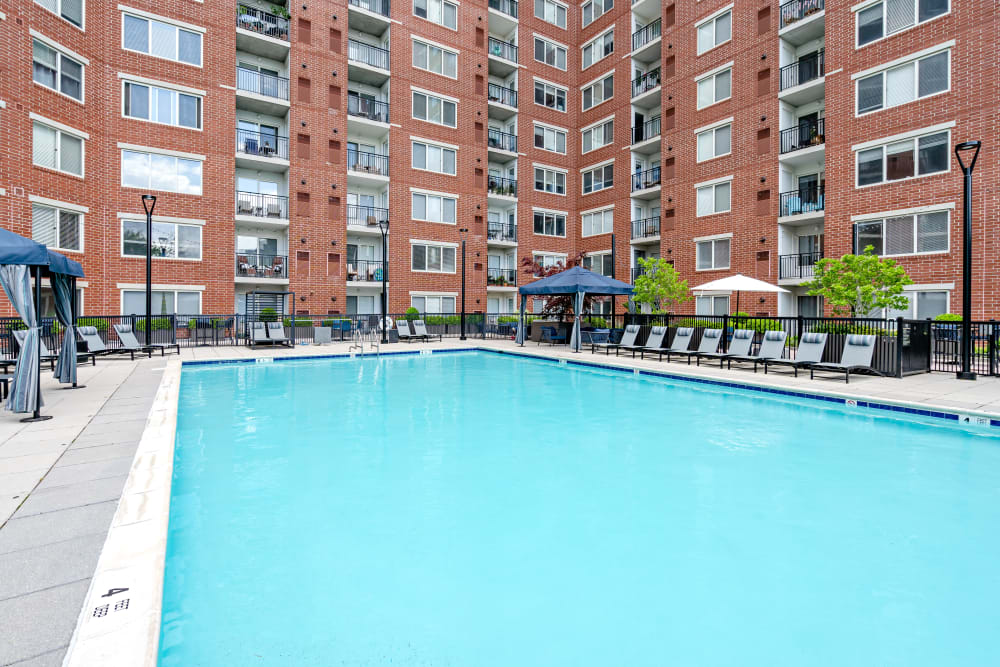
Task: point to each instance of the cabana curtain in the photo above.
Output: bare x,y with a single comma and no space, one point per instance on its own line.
24,396
62,287
520,327
574,341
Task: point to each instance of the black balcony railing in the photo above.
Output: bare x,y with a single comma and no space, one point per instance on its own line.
505,187
376,6
262,206
262,144
502,140
807,199
367,108
502,49
801,265
646,227
501,277
803,71
368,163
501,231
636,272
502,95
261,22
367,270
508,7
804,135
648,130
647,34
644,82
268,85
796,10
367,54
256,265
366,216
642,180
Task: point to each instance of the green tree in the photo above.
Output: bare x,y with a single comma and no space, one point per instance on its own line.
858,284
660,285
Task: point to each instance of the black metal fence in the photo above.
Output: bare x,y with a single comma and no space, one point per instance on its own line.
261,144
508,7
642,180
807,199
257,265
366,270
796,10
367,54
369,109
261,206
260,83
501,95
505,187
803,70
648,130
502,49
644,82
261,22
804,135
798,265
368,163
646,227
377,6
503,141
366,216
501,231
501,277
646,34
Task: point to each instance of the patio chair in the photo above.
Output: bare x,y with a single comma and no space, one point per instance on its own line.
772,347
654,343
598,336
679,345
810,351
857,356
95,345
403,329
738,347
19,335
258,334
276,333
321,336
627,340
130,342
420,331
710,339
552,336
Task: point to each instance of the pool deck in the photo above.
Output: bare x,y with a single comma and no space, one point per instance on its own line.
62,480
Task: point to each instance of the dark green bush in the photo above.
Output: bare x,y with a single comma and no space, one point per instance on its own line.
299,322
411,314
156,324
268,315
696,323
847,328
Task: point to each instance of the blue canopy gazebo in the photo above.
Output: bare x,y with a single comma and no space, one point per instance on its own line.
578,282
19,259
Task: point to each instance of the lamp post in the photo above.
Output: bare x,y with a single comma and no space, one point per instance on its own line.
464,232
383,226
149,203
964,147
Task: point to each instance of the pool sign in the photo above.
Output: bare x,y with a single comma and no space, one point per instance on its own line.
973,420
851,403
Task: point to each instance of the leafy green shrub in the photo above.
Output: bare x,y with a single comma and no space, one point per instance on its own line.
299,322
595,321
696,323
847,328
268,315
200,322
442,319
948,317
156,323
758,325
411,314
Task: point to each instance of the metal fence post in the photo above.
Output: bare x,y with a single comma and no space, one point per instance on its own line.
725,332
899,347
991,347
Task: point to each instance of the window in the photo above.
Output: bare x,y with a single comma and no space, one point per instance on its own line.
164,302
550,139
55,149
432,258
430,157
715,142
433,304
909,158
550,180
715,88
163,40
550,53
551,12
714,198
57,228
435,59
598,222
599,48
433,208
594,9
71,10
711,306
598,91
602,263
548,95
161,105
437,11
598,178
155,171
550,224
904,234
905,83
712,254
598,136
170,240
924,305
889,16
434,109
53,69
715,31
547,261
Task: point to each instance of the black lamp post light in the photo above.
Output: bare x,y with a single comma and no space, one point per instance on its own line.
965,148
149,203
464,232
383,226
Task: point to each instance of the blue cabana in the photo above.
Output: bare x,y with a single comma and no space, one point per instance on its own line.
19,259
578,282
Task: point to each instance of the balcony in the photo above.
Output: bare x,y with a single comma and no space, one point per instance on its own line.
646,180
501,232
367,217
801,266
636,272
644,37
260,148
501,277
502,57
252,267
256,205
367,63
646,228
508,7
804,135
801,20
803,81
643,84
647,131
261,93
261,32
371,16
503,101
502,187
808,200
367,271
368,109
501,141
367,168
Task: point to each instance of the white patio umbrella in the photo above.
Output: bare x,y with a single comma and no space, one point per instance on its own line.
738,283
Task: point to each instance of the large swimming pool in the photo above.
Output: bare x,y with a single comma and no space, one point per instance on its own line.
474,509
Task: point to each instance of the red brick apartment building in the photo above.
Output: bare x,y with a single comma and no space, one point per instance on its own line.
749,136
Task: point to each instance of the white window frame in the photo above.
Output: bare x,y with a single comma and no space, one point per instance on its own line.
713,19
594,4
190,157
433,45
419,192
177,25
591,128
728,238
547,172
58,12
883,70
555,131
548,42
915,137
428,17
58,208
594,168
440,296
713,184
435,144
158,220
434,244
591,45
62,52
166,288
714,74
713,128
870,218
602,254
861,6
61,129
429,95
176,90
557,6
556,89
597,85
594,212
555,215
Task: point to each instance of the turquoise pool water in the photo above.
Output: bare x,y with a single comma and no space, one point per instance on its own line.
473,509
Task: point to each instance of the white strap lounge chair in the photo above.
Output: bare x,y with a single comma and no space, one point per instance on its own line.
857,356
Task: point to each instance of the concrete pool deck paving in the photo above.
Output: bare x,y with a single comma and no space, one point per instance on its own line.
61,481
